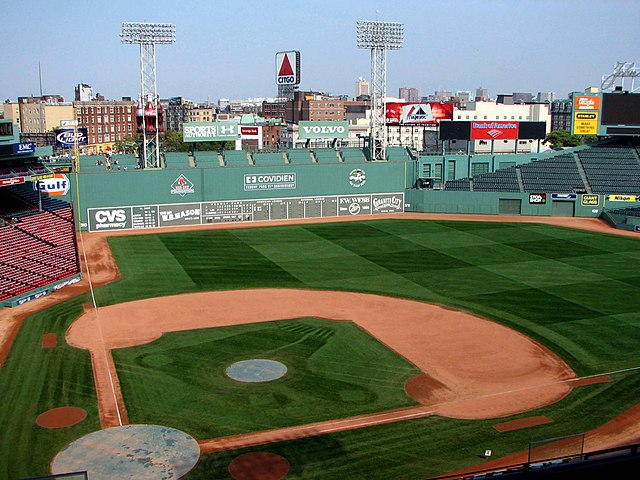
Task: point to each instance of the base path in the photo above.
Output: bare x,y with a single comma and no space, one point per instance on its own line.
482,369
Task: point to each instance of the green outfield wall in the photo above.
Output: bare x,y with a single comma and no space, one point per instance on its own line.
220,194
111,200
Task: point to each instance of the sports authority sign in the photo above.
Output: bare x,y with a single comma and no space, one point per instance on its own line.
288,68
326,129
494,130
220,131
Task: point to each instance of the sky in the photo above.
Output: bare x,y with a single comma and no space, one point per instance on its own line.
226,49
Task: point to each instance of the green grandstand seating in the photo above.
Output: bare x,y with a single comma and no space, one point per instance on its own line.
397,154
206,159
352,155
326,155
268,158
299,156
235,158
177,160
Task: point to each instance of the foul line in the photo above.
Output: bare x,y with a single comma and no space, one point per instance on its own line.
104,350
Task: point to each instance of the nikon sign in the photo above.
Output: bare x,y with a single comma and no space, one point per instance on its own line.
328,129
210,131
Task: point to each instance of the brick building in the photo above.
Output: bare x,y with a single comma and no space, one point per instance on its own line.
108,120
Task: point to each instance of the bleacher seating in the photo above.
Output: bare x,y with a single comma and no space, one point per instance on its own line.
326,155
177,160
461,184
558,174
268,158
236,158
206,159
38,249
611,168
300,156
503,180
352,155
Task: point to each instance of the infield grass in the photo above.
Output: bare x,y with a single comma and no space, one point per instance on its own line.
574,291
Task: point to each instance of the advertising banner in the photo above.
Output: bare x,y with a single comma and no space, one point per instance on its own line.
622,198
220,131
179,214
426,113
288,68
590,200
481,130
66,137
326,129
585,123
537,198
586,102
270,181
24,148
55,185
196,213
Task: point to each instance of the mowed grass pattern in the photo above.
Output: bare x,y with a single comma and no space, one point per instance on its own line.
575,291
330,374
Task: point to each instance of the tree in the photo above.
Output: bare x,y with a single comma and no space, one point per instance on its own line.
562,138
126,144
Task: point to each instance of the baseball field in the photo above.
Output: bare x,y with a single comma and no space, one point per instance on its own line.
409,345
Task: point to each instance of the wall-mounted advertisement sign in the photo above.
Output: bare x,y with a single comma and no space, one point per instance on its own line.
270,181
481,130
220,131
68,137
326,129
425,113
537,198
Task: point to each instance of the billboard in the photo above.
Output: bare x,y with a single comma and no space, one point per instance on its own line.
202,213
425,113
323,129
586,114
490,130
288,68
220,131
67,137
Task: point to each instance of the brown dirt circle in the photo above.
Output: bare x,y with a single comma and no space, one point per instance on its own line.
61,417
258,466
474,368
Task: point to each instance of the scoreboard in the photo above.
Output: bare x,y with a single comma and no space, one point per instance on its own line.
605,114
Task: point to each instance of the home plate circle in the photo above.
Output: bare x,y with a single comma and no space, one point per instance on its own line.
256,370
141,452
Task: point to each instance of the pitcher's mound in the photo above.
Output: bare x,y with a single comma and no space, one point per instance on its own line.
140,452
61,417
259,466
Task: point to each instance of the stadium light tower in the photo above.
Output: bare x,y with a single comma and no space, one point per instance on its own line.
379,37
149,114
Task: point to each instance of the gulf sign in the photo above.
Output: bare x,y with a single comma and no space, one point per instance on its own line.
426,113
55,186
288,68
494,130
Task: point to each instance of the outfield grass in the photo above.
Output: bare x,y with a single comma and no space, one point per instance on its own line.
335,370
574,291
